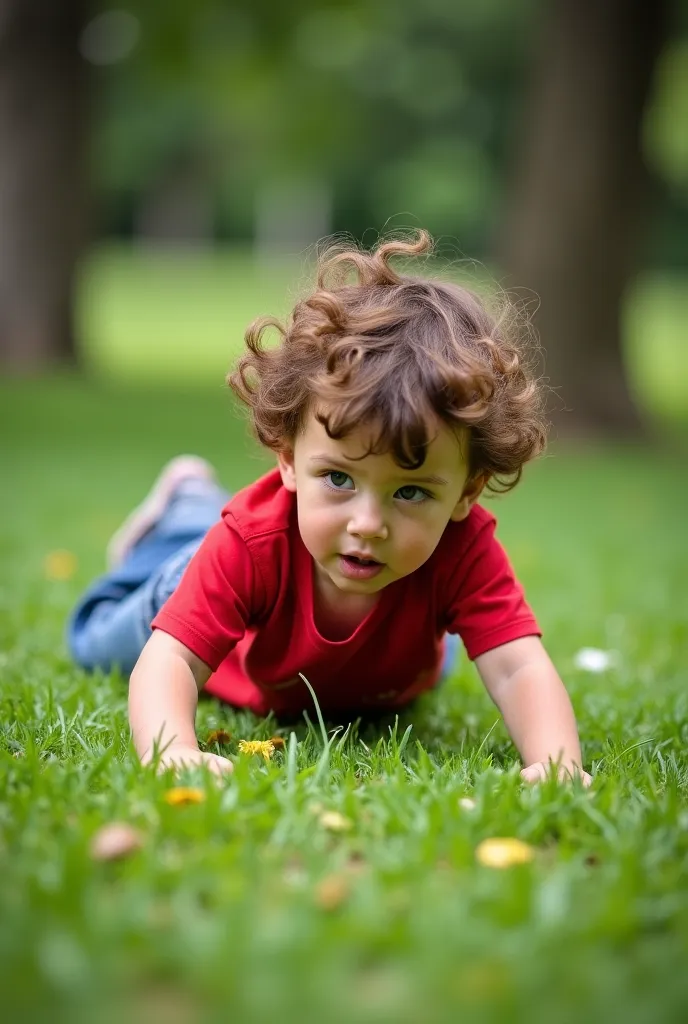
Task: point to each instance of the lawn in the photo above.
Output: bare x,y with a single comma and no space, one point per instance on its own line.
254,905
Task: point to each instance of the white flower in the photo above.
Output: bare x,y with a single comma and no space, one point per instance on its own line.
591,659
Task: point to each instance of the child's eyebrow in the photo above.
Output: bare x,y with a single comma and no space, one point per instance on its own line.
325,460
438,480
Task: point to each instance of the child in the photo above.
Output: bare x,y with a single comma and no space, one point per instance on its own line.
391,403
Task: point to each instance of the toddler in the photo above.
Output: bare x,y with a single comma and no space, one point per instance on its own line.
391,403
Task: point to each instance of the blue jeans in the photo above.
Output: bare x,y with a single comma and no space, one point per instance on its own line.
111,623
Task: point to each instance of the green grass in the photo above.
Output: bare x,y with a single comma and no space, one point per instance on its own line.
154,316
218,916
162,316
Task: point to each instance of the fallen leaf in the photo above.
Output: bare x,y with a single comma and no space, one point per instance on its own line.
466,803
503,853
331,892
263,747
219,736
277,742
59,565
115,841
335,822
184,795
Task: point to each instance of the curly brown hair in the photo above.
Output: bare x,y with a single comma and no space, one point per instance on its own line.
396,352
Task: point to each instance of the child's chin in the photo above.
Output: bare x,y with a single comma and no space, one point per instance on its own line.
349,586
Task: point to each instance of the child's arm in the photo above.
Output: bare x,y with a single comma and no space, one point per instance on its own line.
163,694
526,688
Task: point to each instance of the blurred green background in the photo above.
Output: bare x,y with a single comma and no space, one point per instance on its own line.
166,173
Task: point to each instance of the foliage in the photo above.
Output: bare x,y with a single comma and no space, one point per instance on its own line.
358,95
250,904
398,111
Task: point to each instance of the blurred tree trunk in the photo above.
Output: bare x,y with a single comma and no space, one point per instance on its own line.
572,229
43,187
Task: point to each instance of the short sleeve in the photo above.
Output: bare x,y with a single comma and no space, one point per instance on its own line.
217,597
487,606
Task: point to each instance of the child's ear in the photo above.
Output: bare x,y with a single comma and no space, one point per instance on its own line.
472,490
285,462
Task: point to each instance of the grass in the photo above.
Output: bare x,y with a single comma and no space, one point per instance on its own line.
245,906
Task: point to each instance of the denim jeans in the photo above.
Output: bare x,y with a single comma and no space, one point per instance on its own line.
111,623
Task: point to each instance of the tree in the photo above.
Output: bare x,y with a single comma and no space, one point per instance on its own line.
43,182
576,209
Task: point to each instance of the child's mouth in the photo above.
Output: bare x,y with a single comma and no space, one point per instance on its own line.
355,568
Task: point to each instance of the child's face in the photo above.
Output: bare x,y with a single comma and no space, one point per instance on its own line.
367,521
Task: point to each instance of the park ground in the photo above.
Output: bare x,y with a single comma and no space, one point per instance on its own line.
260,902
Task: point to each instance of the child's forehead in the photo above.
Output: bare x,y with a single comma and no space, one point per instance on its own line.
446,450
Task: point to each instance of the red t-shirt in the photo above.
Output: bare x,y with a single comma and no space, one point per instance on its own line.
245,607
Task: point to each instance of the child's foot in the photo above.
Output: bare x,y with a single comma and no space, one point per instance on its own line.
147,514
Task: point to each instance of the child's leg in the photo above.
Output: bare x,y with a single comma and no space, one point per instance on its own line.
111,624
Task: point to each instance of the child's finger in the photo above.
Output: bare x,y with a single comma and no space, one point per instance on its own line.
217,764
538,772
534,773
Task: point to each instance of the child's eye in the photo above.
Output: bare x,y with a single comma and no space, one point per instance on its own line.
412,494
341,481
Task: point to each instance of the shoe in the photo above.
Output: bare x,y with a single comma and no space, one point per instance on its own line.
148,513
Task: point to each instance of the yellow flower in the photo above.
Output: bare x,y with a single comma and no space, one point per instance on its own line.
265,748
184,795
503,853
59,565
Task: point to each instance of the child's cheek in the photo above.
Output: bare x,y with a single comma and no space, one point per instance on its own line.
319,527
417,545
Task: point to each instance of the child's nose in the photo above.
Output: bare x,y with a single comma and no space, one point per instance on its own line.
368,520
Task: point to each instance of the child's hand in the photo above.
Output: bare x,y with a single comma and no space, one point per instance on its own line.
183,755
541,769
